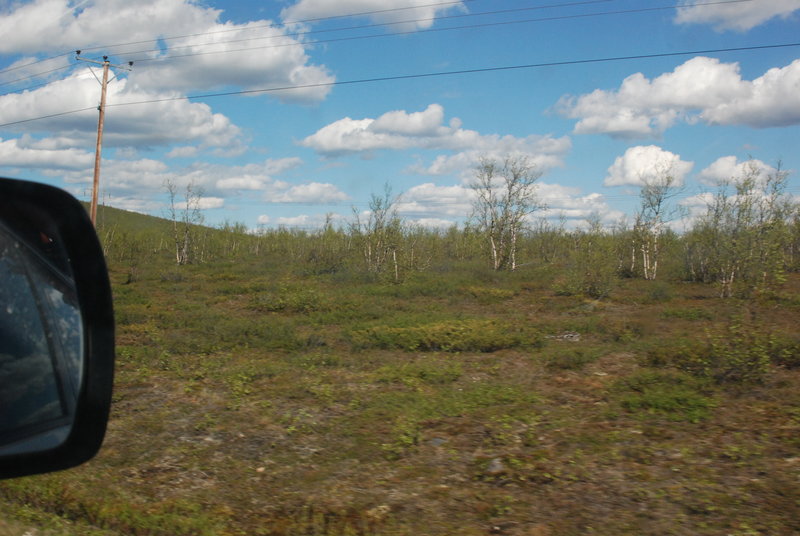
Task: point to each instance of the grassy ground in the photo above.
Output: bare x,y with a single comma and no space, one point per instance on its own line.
253,401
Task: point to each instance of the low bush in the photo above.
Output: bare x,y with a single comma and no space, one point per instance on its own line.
454,336
489,294
571,358
291,299
739,352
673,395
691,313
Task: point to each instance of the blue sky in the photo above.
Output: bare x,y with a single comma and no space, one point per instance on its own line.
288,158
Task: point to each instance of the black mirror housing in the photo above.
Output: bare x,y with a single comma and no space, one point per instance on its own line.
57,252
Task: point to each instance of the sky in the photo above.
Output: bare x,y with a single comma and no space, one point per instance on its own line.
285,113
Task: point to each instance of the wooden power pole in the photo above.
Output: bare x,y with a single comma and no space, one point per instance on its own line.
98,148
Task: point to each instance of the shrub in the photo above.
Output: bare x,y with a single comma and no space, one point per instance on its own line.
291,299
785,351
455,336
691,313
571,359
737,353
673,395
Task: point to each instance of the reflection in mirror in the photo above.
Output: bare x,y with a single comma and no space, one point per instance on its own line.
41,344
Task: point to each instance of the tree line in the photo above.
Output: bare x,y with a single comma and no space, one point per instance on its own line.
746,239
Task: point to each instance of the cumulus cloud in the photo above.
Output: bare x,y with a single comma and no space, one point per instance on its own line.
772,100
701,89
570,204
246,182
252,55
28,153
126,181
201,203
735,16
438,204
427,200
271,60
405,15
123,177
400,130
56,25
149,124
543,152
645,162
313,192
729,168
186,151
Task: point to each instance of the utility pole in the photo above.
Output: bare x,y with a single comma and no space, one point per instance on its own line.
102,109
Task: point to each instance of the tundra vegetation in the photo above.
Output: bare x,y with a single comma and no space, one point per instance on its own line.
379,378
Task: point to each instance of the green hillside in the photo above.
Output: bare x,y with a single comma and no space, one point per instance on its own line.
131,222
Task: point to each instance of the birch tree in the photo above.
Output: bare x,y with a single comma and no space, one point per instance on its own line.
744,238
651,219
381,233
505,196
185,216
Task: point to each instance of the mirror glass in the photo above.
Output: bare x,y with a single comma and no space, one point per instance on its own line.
41,343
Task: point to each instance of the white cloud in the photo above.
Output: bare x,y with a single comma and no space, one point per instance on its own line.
728,168
399,122
314,192
155,123
429,199
568,203
48,25
543,152
186,151
454,203
134,204
404,15
644,162
263,57
400,130
202,203
772,100
218,54
302,220
27,153
28,70
432,223
703,89
121,177
205,203
280,165
246,182
741,16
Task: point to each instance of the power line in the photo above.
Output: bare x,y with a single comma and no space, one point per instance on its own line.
425,75
569,4
63,67
368,26
49,116
9,69
106,47
409,32
272,25
467,71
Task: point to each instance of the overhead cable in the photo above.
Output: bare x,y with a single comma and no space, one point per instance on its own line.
426,75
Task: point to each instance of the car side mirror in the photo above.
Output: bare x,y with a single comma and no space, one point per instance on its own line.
56,331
